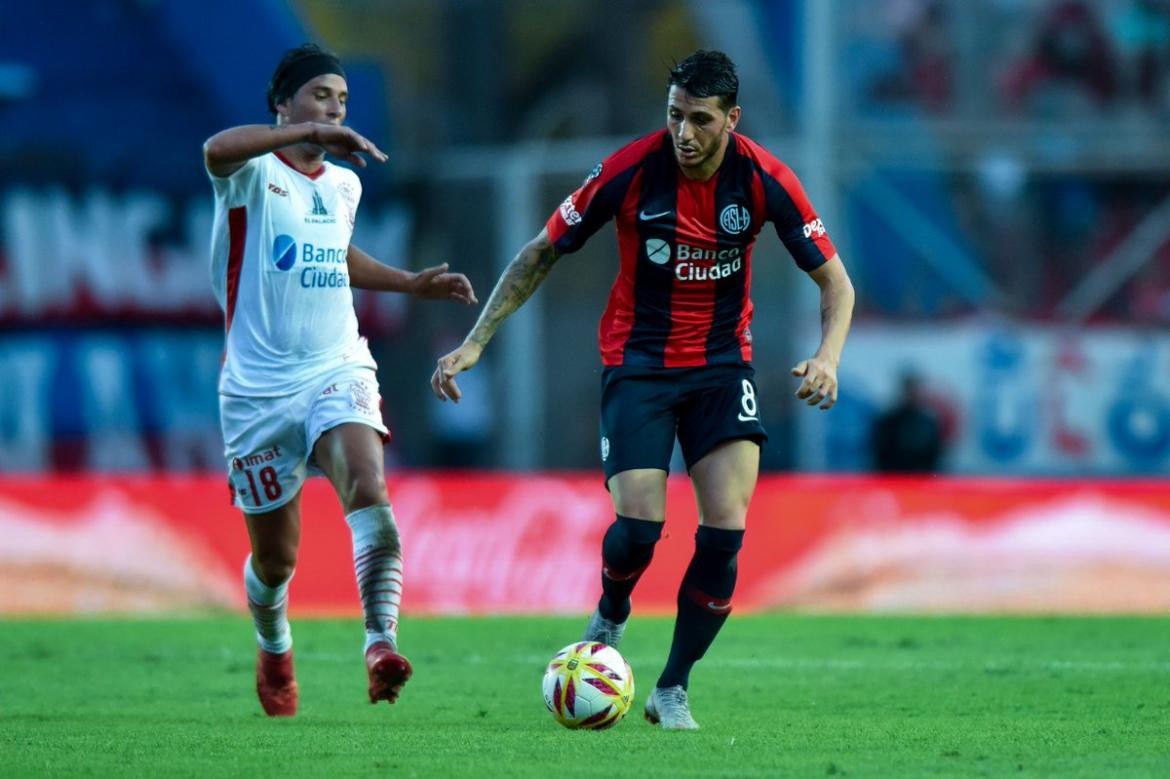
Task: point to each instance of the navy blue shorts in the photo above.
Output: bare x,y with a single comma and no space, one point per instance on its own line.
644,409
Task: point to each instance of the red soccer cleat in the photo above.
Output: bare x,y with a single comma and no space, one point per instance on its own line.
388,671
276,684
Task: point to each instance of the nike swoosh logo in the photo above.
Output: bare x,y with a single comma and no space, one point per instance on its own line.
647,217
716,607
742,418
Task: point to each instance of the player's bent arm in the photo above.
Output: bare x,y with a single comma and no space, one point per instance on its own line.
429,284
367,273
836,308
228,150
517,283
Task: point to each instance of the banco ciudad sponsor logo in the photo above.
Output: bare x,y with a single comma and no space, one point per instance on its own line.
321,266
696,263
324,266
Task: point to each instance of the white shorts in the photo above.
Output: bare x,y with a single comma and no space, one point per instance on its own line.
268,442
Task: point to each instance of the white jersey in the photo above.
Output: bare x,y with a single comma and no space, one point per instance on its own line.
278,265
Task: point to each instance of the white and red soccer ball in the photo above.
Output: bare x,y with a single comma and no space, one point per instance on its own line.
588,685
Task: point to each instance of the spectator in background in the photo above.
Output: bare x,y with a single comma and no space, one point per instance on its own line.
908,437
928,51
1071,62
922,73
1142,32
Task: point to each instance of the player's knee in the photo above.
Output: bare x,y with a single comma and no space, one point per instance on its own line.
731,518
647,511
275,566
640,505
727,511
365,487
639,494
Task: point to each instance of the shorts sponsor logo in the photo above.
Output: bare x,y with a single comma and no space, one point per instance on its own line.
284,252
657,251
569,212
815,227
259,458
604,448
735,218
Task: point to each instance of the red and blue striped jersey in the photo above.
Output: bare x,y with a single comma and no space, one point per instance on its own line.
681,295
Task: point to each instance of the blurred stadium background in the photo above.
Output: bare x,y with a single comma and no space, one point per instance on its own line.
994,173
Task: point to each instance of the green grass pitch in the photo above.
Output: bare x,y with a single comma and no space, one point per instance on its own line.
778,695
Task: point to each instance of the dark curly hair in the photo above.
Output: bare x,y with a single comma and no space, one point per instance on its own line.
707,73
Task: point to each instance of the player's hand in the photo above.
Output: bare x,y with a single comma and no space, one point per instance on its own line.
462,359
820,382
437,284
345,144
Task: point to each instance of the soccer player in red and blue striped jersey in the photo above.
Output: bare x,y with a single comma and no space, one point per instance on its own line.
688,202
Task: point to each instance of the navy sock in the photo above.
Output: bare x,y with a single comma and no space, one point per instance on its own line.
625,554
704,601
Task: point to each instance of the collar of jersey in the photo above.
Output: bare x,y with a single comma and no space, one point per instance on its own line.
311,176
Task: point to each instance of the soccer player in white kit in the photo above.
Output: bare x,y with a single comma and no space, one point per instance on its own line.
298,392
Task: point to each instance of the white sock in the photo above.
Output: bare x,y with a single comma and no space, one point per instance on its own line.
269,607
377,563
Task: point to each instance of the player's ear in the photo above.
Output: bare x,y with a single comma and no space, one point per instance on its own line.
282,111
733,118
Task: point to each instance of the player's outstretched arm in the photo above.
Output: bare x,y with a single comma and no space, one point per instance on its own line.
517,283
228,150
819,372
430,283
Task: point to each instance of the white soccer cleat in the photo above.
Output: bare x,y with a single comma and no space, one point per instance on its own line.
603,630
668,707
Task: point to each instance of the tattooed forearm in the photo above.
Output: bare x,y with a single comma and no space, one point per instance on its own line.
520,279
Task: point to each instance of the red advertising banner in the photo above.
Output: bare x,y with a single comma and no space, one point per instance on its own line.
480,543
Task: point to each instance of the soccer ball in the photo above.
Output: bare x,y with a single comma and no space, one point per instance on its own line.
588,685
